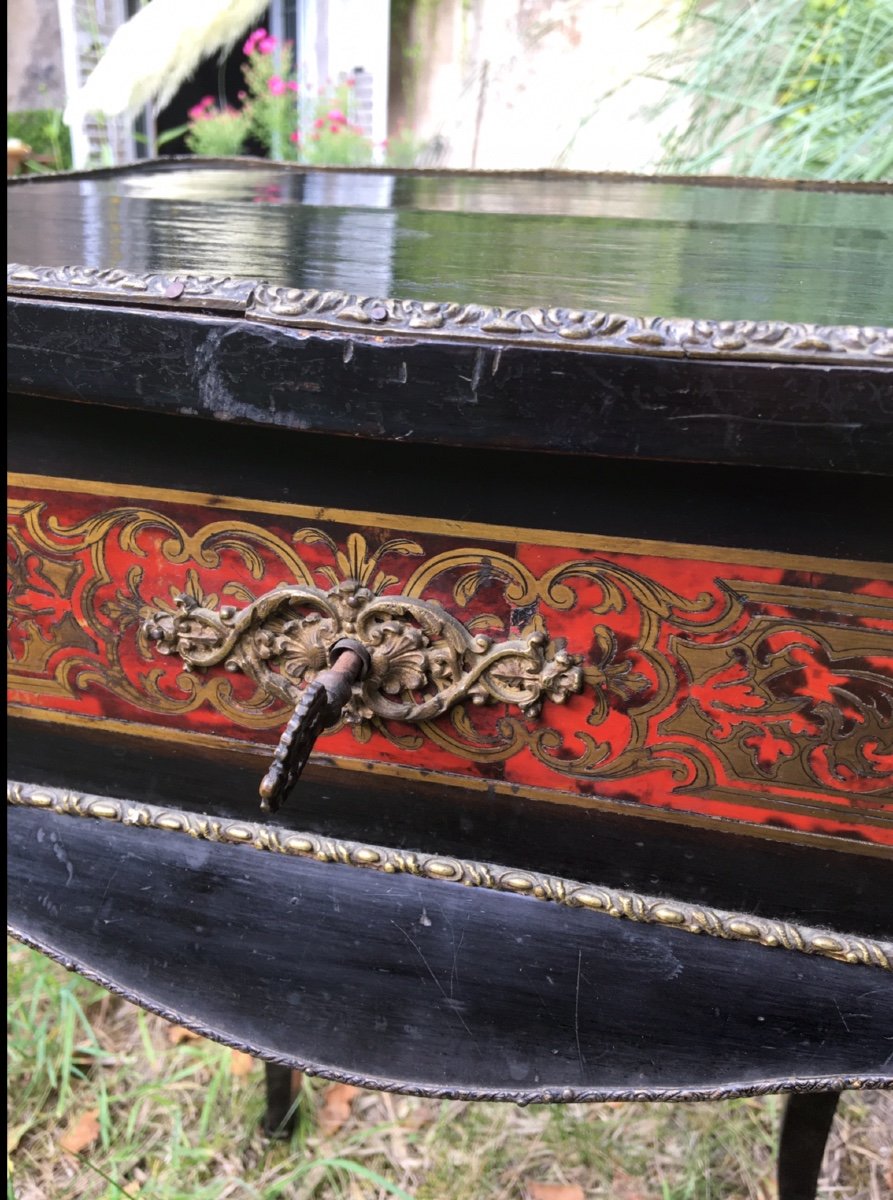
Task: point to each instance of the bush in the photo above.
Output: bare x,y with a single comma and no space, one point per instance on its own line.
785,88
43,131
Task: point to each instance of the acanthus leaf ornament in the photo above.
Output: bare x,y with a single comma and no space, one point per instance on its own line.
414,661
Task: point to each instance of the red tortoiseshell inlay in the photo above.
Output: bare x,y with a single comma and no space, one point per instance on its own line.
714,688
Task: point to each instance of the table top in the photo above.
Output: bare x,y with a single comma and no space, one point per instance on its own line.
723,251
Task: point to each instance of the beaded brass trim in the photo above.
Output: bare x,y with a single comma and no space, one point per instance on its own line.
611,902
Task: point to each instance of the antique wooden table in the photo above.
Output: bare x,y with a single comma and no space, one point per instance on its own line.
585,615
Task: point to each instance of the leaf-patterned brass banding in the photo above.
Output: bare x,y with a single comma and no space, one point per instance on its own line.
423,661
352,314
607,901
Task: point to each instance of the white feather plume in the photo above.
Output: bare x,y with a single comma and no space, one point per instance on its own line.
150,56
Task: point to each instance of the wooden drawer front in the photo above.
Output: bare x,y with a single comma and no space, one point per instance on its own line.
727,684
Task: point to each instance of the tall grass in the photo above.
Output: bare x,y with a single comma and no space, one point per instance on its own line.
784,88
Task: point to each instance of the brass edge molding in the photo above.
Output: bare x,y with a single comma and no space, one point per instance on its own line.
535,327
157,289
520,1096
839,843
611,902
472,530
543,174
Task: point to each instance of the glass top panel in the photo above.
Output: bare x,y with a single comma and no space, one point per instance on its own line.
638,247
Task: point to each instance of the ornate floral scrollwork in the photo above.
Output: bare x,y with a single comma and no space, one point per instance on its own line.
422,660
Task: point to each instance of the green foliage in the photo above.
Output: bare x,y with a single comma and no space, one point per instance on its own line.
402,149
785,88
43,131
218,133
332,140
271,102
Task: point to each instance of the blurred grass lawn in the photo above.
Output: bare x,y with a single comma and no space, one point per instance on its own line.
175,1122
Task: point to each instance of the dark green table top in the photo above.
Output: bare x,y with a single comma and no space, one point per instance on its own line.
642,247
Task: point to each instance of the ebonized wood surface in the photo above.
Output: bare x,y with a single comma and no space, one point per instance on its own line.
646,247
828,887
418,391
476,994
792,512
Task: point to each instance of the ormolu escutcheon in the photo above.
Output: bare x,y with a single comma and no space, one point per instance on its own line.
349,653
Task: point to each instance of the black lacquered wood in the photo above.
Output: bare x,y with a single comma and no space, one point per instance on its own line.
417,390
280,1114
804,1135
475,993
828,887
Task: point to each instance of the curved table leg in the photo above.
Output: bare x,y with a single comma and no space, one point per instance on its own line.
283,1087
804,1133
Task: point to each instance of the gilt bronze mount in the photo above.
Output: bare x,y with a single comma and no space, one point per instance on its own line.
349,653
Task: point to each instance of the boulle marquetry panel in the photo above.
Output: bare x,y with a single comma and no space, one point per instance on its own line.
727,684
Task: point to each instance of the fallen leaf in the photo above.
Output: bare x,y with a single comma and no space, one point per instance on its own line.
240,1063
626,1187
418,1117
15,1135
336,1104
178,1033
82,1132
555,1191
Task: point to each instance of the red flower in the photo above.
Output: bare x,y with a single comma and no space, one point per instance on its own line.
294,137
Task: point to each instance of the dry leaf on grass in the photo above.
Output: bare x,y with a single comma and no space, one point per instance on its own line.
82,1132
15,1135
178,1033
240,1063
554,1191
626,1187
337,1099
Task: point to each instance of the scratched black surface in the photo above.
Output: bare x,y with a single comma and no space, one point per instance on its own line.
423,392
471,989
813,885
647,248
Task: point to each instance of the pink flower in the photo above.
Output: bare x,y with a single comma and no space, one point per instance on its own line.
196,113
318,123
294,137
351,82
292,85
334,128
337,115
266,45
242,95
276,85
253,39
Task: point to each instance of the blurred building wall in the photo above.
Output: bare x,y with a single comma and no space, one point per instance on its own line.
533,83
34,75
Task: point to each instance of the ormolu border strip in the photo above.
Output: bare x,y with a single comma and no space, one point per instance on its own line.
840,843
611,902
556,1095
474,530
535,327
